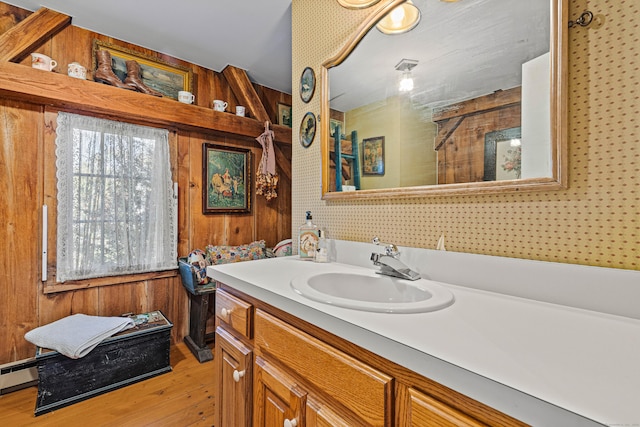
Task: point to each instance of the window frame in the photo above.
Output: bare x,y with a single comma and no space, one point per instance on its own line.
51,285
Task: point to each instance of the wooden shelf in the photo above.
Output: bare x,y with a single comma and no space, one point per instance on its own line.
41,87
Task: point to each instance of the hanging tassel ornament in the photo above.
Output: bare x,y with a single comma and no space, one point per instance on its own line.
267,178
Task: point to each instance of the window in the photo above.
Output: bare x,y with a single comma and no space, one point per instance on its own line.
116,205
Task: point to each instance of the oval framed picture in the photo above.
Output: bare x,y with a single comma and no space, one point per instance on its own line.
307,129
307,84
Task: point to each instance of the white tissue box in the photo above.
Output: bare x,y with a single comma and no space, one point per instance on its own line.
128,357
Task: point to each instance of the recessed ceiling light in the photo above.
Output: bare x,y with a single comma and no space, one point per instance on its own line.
400,20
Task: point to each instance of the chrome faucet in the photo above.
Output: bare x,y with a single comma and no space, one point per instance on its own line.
389,263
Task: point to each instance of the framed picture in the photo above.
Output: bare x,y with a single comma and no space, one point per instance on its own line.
226,178
373,156
333,123
307,84
502,155
284,114
157,74
307,129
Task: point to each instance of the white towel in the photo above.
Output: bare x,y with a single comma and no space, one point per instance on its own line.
76,335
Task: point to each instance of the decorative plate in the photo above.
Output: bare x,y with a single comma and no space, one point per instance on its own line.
307,84
307,129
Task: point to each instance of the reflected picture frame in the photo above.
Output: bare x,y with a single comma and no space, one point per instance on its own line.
333,124
226,179
373,156
502,159
168,79
284,115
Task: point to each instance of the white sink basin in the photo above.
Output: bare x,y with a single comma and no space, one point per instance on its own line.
369,291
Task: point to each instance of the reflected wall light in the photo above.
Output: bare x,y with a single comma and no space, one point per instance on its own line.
406,81
357,4
400,20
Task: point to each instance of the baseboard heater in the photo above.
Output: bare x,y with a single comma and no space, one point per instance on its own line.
18,375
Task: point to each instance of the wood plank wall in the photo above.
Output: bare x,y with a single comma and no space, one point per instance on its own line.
26,170
462,129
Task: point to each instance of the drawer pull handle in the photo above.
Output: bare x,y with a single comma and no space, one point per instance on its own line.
237,375
290,423
225,313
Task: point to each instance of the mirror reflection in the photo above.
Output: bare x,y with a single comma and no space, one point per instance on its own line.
464,97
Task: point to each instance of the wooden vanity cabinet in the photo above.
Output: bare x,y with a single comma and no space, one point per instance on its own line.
233,367
233,361
320,414
291,373
419,409
353,391
278,400
235,314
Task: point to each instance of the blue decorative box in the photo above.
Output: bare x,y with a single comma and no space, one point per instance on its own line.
190,280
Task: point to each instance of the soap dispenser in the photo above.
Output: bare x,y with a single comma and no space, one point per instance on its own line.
308,239
322,251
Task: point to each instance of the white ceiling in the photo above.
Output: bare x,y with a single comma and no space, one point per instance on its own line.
254,35
464,49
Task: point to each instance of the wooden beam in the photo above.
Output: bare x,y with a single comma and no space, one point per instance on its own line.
446,129
245,93
20,82
20,40
282,162
497,99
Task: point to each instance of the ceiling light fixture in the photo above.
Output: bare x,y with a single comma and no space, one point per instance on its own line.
357,4
400,20
406,81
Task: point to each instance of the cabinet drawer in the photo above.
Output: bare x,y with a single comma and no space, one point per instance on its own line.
234,312
362,389
425,410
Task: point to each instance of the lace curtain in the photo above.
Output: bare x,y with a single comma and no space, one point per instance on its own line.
117,210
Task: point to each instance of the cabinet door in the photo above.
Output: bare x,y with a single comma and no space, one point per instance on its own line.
427,411
322,415
278,401
359,388
233,365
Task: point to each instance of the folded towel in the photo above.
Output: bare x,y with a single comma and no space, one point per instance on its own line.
76,335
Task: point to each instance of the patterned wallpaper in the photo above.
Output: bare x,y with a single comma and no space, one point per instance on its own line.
596,221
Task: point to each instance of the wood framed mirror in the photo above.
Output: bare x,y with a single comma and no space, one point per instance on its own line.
478,68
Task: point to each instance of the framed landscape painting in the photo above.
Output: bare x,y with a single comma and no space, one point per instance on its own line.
166,78
226,179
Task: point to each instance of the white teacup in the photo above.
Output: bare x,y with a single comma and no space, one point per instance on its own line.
77,71
240,110
43,62
219,105
186,97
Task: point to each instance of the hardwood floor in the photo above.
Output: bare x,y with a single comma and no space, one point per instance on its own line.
182,397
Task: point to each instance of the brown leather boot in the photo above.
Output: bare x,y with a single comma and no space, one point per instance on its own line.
104,73
134,79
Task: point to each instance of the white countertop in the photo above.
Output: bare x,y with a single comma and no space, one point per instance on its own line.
540,362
